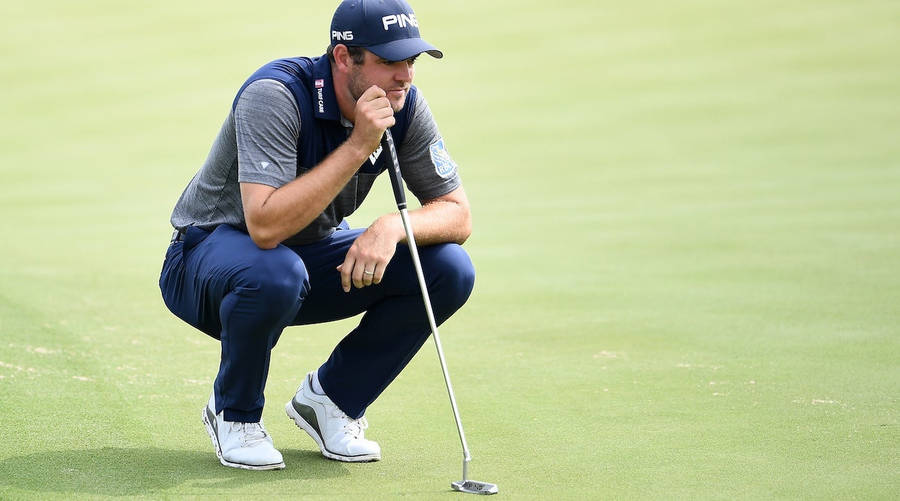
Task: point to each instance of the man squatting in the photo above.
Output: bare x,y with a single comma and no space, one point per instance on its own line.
261,243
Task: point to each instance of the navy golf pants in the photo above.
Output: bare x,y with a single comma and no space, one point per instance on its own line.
226,286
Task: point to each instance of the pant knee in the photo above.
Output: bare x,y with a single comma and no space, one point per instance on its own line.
455,274
279,276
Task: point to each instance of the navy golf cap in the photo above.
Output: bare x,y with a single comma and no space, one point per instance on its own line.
387,28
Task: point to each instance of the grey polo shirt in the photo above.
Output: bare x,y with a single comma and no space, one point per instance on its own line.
258,144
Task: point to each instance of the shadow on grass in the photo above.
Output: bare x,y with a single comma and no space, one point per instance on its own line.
115,471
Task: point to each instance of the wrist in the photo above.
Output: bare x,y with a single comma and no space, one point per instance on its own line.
392,226
355,150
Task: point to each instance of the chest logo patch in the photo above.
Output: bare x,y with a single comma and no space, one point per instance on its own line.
440,157
374,156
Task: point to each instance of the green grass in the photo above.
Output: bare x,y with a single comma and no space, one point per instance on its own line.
686,237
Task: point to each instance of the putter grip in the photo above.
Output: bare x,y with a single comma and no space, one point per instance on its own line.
387,143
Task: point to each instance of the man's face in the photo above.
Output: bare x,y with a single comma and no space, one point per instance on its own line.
394,77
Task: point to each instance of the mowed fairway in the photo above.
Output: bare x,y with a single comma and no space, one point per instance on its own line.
687,238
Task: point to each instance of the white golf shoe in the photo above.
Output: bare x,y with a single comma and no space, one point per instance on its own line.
241,445
338,436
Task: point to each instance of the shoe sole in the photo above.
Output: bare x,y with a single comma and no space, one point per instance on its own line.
305,426
215,441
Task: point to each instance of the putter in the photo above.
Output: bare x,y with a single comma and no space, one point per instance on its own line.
464,485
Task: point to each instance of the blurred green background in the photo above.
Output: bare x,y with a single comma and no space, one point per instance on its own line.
686,237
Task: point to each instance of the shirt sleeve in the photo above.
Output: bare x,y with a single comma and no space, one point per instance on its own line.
425,162
267,125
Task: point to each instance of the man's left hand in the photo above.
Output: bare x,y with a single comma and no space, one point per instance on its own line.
368,257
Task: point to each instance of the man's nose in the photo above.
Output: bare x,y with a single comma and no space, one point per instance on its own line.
404,72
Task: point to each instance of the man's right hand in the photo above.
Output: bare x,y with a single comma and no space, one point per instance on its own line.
373,116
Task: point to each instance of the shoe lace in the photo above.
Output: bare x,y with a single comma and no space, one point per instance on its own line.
251,433
352,427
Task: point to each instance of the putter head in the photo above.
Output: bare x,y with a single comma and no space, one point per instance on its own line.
474,487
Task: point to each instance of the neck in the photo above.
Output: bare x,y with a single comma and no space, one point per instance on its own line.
345,100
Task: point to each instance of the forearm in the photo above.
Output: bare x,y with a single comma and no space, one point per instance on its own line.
445,219
287,210
439,220
272,215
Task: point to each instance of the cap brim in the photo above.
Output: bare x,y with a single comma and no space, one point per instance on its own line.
405,48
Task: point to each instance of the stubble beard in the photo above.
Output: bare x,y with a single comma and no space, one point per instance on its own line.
358,86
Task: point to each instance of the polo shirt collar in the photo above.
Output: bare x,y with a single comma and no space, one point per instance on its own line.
324,101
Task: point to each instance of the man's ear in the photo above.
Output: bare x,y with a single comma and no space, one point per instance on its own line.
342,59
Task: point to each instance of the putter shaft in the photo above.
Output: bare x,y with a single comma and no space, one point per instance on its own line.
465,485
413,250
